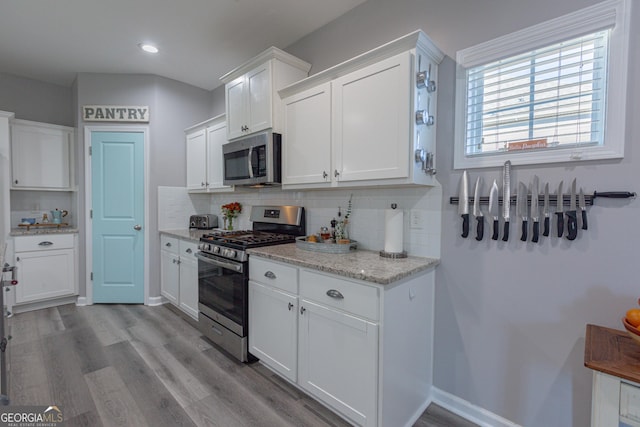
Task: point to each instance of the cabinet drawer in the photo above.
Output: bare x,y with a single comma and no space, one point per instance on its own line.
274,274
43,242
188,249
351,297
171,244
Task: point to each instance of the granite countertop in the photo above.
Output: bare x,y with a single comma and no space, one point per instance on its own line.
22,231
184,233
360,264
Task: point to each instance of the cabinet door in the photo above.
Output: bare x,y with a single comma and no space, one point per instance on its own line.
40,157
45,274
338,361
196,160
236,107
259,98
169,276
273,328
371,121
216,137
189,278
307,138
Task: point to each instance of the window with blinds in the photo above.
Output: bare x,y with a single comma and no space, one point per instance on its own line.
552,92
543,99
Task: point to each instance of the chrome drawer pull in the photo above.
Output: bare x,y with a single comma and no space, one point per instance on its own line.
45,243
270,275
335,294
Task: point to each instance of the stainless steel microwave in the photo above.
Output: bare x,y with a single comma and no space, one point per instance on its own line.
253,160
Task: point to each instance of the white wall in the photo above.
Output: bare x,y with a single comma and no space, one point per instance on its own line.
510,318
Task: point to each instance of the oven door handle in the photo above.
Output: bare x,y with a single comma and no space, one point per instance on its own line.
215,261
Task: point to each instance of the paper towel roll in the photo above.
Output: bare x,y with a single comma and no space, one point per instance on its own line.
393,227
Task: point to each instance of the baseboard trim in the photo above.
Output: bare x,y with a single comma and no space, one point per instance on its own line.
469,411
82,301
153,301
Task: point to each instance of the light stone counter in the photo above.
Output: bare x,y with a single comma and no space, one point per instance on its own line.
22,231
190,234
360,264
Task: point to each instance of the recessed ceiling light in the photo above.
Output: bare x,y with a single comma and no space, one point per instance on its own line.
148,47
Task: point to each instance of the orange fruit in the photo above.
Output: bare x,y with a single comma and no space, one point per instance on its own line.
633,316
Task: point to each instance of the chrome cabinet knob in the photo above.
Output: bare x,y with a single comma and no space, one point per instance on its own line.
137,227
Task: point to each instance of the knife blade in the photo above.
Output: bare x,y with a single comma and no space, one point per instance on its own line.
477,212
583,209
559,210
546,210
523,209
463,203
494,209
506,198
572,215
535,214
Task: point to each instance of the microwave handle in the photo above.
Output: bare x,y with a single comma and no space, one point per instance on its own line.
249,160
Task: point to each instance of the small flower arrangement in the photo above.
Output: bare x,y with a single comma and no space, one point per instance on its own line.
230,211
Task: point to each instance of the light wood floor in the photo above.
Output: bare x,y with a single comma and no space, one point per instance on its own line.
132,365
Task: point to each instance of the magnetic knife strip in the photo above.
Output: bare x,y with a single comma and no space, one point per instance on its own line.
553,199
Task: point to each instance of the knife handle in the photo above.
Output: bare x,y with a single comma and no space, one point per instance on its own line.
495,230
560,217
525,228
584,220
465,225
536,231
505,234
545,231
572,225
480,228
614,194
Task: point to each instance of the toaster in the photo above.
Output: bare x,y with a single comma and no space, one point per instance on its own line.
203,222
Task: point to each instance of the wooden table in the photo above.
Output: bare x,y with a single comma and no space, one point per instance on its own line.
615,359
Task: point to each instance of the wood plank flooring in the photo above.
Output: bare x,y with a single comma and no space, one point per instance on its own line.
132,365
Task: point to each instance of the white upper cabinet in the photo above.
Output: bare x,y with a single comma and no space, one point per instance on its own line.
41,156
375,116
251,98
204,156
307,135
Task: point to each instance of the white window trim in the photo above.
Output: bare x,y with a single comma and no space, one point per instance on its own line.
615,14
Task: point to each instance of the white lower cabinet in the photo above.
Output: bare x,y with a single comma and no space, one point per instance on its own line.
46,267
325,334
179,273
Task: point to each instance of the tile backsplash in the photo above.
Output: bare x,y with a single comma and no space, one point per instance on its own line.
366,223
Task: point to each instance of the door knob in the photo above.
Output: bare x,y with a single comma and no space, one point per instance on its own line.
137,227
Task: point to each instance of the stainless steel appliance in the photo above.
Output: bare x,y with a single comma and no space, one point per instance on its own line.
223,273
203,222
253,160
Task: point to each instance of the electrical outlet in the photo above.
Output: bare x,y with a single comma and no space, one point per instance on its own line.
416,220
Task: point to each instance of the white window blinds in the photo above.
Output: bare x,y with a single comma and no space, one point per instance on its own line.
548,98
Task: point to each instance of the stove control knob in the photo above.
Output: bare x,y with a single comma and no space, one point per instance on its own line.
216,249
230,253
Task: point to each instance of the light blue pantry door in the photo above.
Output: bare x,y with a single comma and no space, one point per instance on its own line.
117,185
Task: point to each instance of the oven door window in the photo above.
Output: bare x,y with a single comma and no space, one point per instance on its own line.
222,290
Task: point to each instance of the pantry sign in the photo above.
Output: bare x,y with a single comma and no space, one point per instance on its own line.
115,113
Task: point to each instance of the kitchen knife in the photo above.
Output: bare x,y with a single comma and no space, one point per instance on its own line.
523,209
506,198
463,203
477,212
583,209
494,209
535,214
546,210
559,210
572,215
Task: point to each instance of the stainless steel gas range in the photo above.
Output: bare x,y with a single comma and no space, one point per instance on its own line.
223,273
